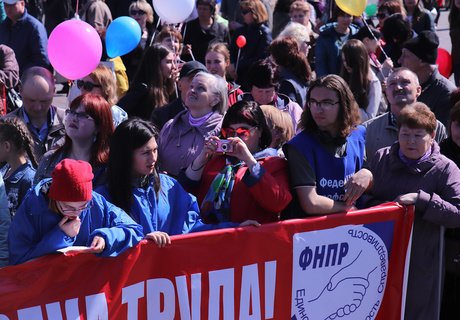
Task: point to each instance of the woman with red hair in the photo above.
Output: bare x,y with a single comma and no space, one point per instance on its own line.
88,126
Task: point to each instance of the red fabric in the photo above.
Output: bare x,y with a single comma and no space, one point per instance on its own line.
72,181
263,201
151,280
233,95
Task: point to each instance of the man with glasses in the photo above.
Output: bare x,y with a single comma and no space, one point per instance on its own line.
402,90
44,121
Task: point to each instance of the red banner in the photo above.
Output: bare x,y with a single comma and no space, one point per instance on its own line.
350,266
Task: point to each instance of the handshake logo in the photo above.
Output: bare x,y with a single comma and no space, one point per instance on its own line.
340,279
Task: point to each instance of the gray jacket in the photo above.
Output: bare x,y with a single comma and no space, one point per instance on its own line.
437,181
381,132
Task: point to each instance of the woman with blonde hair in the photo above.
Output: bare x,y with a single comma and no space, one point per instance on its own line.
102,82
258,38
142,12
280,125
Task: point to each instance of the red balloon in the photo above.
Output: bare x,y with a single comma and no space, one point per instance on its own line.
444,62
241,41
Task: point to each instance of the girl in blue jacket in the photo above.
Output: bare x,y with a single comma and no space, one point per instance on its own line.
64,211
155,201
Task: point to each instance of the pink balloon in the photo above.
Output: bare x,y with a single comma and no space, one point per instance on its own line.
241,41
74,49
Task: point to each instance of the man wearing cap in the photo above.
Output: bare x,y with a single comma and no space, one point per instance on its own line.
419,55
25,35
162,115
64,211
402,90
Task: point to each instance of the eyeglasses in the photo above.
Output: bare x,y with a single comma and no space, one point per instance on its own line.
87,206
137,12
87,86
244,12
238,132
78,115
325,104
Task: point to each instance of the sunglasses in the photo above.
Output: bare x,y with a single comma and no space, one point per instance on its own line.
238,132
87,86
78,115
137,12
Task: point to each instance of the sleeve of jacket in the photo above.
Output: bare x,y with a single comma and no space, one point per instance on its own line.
38,46
25,240
5,221
443,208
9,68
192,219
119,231
269,186
321,62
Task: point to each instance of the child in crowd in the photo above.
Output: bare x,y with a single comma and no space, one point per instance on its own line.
16,150
64,211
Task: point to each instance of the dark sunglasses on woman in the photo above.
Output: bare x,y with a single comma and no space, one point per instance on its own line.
87,86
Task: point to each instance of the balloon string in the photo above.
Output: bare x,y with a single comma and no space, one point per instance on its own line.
154,32
373,36
76,10
237,60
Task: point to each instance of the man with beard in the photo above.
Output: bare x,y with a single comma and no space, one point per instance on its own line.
402,90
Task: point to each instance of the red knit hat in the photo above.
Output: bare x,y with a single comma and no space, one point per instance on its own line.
72,181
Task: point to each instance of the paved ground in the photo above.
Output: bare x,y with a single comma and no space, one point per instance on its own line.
60,100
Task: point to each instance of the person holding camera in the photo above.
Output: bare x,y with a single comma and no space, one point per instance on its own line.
235,177
182,138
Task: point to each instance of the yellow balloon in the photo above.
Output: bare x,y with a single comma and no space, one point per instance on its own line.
353,7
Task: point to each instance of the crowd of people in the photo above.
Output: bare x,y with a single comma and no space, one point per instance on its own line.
192,131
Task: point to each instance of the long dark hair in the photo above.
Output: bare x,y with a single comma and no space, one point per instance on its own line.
149,73
356,57
128,136
15,131
348,108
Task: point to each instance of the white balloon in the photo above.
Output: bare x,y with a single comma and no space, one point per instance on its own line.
173,11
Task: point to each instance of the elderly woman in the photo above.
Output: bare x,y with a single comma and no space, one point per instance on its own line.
182,138
324,157
234,177
413,171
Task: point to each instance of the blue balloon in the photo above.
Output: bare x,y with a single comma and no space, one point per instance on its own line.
122,36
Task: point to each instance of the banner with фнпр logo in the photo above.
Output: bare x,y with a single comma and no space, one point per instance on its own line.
340,266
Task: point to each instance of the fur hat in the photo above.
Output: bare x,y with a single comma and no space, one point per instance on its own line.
424,46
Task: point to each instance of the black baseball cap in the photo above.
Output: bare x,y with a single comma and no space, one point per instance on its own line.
191,67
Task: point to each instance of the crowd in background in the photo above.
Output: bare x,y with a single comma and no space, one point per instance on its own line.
317,112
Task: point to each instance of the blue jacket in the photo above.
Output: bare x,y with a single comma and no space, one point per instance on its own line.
5,221
28,39
328,50
174,211
34,231
332,172
17,184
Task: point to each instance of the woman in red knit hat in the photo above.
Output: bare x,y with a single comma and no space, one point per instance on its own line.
64,211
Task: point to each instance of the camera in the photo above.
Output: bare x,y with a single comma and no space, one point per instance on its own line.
224,146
